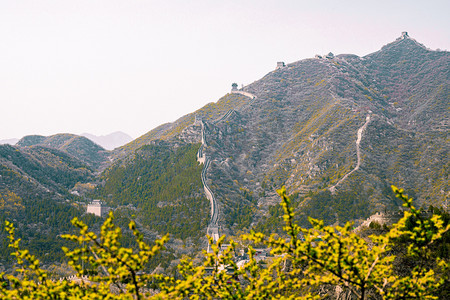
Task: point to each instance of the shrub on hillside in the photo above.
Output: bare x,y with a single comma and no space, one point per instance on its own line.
306,264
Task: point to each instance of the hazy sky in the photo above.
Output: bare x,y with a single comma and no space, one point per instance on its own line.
102,66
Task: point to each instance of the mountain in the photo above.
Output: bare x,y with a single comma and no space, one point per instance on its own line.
167,131
77,146
336,128
9,141
337,131
110,141
46,168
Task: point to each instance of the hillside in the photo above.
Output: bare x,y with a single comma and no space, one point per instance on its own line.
209,112
50,167
49,170
162,183
34,193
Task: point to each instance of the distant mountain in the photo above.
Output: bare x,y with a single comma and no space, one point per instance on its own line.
9,141
77,146
110,141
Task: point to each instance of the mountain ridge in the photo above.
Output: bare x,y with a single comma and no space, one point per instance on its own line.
301,132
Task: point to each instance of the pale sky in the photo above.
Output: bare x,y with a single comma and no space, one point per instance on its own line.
103,66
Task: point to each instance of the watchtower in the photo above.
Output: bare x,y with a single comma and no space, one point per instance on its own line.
234,86
280,65
98,208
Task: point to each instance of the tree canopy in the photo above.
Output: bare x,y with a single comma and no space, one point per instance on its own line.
313,263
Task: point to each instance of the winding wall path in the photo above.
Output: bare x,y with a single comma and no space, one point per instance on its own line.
213,227
250,95
225,116
358,154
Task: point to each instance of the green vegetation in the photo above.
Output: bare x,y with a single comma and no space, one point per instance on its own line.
164,184
34,184
50,167
103,253
306,264
40,223
338,208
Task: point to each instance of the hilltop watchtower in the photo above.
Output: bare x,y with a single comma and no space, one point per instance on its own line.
280,65
234,86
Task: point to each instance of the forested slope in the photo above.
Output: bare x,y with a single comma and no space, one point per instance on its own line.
163,183
35,184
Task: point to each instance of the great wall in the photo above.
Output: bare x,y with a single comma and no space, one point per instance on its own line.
213,227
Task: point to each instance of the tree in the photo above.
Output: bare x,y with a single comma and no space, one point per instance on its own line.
308,261
306,264
113,271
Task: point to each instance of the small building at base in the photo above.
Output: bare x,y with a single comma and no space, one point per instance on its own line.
98,208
